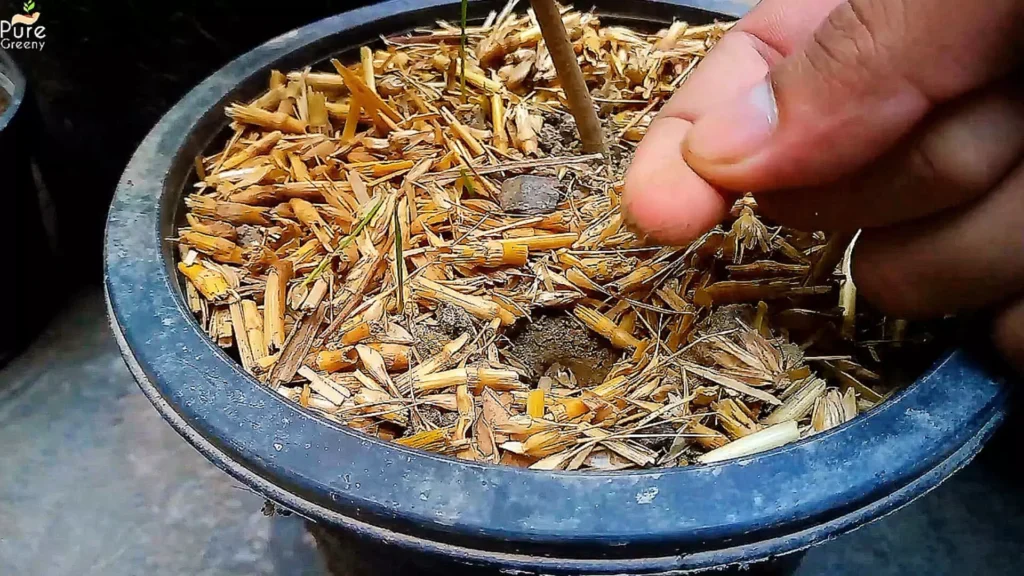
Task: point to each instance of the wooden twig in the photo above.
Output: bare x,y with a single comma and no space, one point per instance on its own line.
576,92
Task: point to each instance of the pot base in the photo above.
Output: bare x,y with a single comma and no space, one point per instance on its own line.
345,555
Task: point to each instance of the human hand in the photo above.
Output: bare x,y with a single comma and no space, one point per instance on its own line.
901,117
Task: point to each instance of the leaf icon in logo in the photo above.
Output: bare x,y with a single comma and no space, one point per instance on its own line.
29,6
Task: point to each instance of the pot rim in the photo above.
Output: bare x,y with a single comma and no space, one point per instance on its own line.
671,517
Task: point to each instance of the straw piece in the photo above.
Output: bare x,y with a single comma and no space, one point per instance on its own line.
366,59
772,437
430,440
324,387
735,291
606,327
544,242
481,308
799,405
730,383
209,283
367,96
535,404
705,437
264,119
219,249
274,305
296,348
335,360
241,336
490,254
476,378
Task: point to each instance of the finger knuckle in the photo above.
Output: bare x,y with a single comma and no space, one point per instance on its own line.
923,164
963,153
849,48
1008,334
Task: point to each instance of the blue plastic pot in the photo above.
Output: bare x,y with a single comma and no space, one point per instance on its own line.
438,509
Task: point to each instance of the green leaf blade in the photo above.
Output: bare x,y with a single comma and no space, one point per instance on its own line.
344,244
399,263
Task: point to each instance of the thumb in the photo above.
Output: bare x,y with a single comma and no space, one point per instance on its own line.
872,70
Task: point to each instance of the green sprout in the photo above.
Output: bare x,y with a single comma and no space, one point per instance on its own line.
344,244
399,263
465,181
31,5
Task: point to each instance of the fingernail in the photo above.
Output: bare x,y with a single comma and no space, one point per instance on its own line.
630,223
735,130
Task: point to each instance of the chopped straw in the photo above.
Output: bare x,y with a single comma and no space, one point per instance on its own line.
348,244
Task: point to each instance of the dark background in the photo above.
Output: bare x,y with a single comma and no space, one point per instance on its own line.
109,70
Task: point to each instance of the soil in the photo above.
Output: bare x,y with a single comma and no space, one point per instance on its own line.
558,136
249,235
729,317
435,417
449,323
560,339
658,444
620,157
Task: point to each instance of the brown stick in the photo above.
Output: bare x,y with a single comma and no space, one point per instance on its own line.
569,74
829,257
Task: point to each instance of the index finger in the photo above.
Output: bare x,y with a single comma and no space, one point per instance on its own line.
663,197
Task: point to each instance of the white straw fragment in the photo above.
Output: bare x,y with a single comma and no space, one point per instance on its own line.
766,439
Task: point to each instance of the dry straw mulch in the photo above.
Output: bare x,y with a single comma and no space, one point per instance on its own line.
349,245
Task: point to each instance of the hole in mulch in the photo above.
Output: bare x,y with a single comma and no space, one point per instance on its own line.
553,342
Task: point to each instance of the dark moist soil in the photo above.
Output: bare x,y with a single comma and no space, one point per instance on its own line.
558,136
559,339
3,102
438,418
657,444
249,235
449,323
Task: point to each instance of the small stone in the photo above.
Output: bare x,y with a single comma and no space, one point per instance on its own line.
532,195
249,236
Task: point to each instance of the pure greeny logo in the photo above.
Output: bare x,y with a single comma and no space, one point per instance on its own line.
23,31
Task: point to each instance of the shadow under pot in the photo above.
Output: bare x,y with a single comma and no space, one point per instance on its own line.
28,261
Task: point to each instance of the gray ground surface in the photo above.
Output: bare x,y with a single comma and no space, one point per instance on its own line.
92,482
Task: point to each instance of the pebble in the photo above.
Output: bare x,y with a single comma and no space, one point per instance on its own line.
532,195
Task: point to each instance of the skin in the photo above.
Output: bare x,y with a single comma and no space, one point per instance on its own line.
901,117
